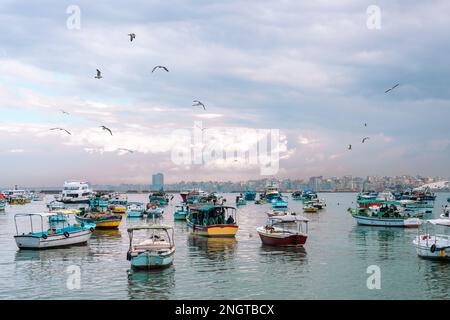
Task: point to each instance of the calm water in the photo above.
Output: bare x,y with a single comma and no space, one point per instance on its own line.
332,265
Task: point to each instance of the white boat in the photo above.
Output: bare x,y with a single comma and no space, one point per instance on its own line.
76,192
385,196
157,250
48,237
392,217
434,246
55,205
154,211
272,234
135,210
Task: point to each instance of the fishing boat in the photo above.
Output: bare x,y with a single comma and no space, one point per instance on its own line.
296,195
181,212
55,205
118,203
249,195
317,203
310,208
446,214
367,195
240,201
99,214
448,199
76,192
193,196
45,238
154,210
308,195
271,192
135,210
385,196
279,208
2,204
386,216
159,197
435,246
213,220
156,251
273,234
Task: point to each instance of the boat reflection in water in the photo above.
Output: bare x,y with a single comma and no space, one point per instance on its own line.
155,285
283,253
212,248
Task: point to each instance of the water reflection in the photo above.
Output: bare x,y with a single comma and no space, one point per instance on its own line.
436,278
152,285
214,248
286,254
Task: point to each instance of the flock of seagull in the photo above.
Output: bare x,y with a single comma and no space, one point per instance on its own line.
195,102
99,76
365,124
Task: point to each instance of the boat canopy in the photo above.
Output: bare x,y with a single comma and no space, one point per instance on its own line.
209,207
136,203
288,218
41,214
150,227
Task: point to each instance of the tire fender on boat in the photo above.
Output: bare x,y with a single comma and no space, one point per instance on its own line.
433,248
66,234
44,236
91,229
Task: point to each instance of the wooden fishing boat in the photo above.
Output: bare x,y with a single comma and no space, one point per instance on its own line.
296,195
52,237
135,210
118,203
99,214
2,204
154,210
240,201
435,246
385,216
274,235
310,209
249,195
181,212
213,220
156,251
62,215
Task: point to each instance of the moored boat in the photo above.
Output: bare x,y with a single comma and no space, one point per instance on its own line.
272,234
154,210
249,195
213,220
240,201
118,203
310,208
2,202
181,212
296,195
156,251
271,192
135,210
159,197
52,237
435,246
98,214
386,216
76,192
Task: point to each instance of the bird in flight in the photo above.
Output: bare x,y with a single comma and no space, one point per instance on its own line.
390,89
99,74
364,139
132,36
200,128
126,150
65,112
107,129
198,103
349,147
62,129
160,67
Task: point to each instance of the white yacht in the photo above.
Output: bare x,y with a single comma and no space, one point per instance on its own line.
76,192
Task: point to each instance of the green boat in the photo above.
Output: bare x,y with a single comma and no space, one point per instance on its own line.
181,212
159,197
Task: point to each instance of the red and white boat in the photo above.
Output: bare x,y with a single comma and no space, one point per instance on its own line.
275,233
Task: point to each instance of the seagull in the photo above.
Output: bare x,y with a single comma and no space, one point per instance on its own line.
390,89
132,36
127,150
349,147
99,74
198,103
65,112
364,139
61,130
201,128
160,67
105,128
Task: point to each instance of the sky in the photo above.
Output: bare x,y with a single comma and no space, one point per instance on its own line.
298,79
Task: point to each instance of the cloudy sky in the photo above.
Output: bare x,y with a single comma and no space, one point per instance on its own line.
316,71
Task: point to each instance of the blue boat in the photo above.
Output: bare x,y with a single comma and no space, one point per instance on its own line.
279,204
2,204
156,251
135,210
448,199
250,195
181,212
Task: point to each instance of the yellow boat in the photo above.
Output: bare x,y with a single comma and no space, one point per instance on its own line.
101,220
119,209
212,221
310,209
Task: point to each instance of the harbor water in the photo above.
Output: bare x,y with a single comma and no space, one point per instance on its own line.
332,265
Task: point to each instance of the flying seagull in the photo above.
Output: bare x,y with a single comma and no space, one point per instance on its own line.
127,150
160,67
105,128
390,89
349,147
62,129
132,36
65,112
198,103
200,128
363,140
99,74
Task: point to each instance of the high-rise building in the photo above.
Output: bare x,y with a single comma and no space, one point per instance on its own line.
158,182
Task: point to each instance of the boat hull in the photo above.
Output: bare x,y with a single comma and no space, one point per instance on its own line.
153,260
272,239
179,216
52,241
370,221
135,214
217,230
103,224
